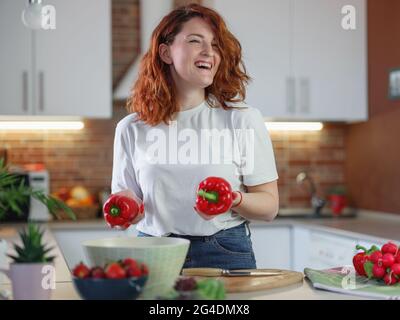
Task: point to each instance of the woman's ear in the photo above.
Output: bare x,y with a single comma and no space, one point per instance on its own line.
163,51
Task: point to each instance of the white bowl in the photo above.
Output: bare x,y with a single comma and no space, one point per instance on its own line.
164,257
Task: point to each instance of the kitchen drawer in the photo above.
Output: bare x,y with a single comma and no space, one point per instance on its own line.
272,246
369,244
327,250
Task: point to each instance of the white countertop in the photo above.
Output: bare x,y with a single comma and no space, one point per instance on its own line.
371,225
300,291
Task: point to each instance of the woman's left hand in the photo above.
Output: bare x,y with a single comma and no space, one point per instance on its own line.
235,198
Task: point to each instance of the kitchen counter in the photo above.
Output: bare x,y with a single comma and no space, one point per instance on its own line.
370,225
300,291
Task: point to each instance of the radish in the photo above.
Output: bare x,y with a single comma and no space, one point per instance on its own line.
389,247
375,256
378,271
389,279
388,260
395,269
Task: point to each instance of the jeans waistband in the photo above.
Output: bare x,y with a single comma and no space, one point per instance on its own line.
207,238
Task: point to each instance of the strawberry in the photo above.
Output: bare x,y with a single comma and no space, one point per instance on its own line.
97,272
145,270
81,271
131,267
133,271
129,262
115,271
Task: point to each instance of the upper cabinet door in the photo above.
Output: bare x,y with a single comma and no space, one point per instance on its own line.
329,62
15,60
263,29
73,61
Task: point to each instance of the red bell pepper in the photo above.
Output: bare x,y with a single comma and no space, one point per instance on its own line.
120,211
361,258
214,196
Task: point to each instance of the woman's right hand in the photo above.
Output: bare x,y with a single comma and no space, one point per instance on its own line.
131,194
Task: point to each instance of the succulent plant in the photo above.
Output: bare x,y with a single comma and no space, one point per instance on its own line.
32,249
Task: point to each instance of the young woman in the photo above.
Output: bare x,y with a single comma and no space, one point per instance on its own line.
192,82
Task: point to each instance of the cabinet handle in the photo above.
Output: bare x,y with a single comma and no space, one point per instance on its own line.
41,91
25,90
304,103
290,95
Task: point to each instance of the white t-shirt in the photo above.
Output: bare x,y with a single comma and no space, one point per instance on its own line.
164,164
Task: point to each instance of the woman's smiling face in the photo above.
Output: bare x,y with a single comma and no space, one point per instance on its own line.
193,56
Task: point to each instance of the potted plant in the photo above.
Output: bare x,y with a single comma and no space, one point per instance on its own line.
31,256
338,199
31,266
13,196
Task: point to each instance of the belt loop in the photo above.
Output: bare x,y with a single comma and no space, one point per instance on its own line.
248,228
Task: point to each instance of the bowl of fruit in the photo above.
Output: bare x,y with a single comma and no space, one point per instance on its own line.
117,280
80,200
164,257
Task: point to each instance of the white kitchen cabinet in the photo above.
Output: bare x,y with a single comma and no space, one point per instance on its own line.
15,60
74,60
329,62
321,250
263,29
328,250
368,244
301,243
305,66
69,68
272,246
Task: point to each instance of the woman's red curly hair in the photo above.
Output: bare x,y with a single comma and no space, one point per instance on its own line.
153,96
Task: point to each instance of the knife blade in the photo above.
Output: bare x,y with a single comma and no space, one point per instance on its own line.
216,272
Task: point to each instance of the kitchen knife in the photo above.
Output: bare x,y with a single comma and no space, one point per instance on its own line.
215,272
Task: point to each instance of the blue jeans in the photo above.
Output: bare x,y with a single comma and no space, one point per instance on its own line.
226,249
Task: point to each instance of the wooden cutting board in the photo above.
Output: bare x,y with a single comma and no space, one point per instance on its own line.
256,283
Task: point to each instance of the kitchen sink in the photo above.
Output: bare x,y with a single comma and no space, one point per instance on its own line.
309,213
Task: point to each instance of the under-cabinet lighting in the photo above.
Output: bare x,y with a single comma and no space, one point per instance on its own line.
41,125
294,126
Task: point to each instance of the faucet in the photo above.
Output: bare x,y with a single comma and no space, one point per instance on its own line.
317,203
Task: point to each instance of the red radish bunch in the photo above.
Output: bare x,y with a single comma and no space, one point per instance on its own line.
126,268
379,264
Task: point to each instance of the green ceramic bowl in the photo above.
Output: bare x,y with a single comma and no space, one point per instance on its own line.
164,257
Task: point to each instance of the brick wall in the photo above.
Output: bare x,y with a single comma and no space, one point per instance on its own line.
178,3
125,35
321,154
85,157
